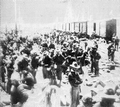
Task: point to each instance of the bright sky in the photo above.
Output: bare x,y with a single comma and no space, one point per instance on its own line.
32,11
50,11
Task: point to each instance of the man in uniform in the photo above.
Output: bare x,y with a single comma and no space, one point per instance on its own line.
111,52
75,82
95,57
46,63
58,60
116,43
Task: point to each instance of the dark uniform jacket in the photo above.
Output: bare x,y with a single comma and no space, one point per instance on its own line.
95,56
58,59
47,61
35,62
74,79
111,50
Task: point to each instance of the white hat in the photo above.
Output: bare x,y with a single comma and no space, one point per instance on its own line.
75,65
109,93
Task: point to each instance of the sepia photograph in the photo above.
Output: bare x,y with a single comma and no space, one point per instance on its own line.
59,53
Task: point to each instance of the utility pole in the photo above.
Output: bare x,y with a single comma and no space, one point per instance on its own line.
6,31
15,6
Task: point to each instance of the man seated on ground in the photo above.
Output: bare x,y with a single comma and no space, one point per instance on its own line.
19,91
14,93
108,99
86,101
27,78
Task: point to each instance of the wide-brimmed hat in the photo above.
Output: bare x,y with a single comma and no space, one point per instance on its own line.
64,49
65,43
109,93
45,45
94,47
87,99
52,46
75,65
46,53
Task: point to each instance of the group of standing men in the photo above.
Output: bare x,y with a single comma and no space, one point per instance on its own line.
57,57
